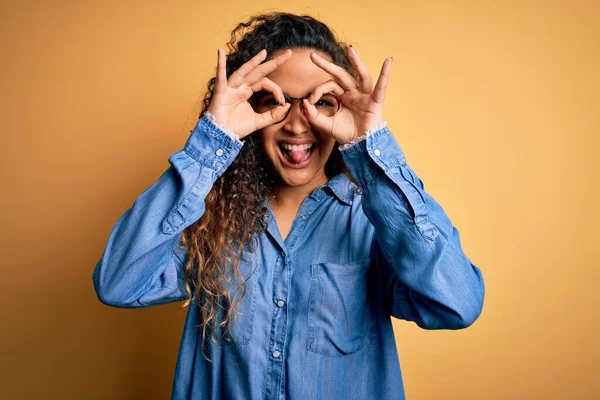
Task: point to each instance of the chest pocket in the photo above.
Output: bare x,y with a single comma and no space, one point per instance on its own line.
341,309
243,320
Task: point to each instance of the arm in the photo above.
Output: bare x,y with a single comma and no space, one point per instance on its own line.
142,264
427,277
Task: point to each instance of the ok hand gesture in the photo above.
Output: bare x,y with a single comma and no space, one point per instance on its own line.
230,105
362,104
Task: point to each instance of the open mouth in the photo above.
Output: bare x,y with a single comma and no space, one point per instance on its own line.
295,156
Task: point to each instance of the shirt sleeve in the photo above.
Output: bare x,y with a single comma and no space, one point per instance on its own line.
142,264
427,277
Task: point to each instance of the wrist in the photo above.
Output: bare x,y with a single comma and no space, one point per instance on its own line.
228,131
362,136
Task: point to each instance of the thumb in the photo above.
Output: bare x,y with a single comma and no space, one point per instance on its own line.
316,119
272,116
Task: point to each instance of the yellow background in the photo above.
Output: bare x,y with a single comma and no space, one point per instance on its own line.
495,103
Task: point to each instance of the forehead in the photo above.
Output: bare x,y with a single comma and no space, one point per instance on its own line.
298,76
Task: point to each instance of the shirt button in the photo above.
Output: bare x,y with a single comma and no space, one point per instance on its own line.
280,303
275,354
319,191
377,152
219,152
358,190
303,216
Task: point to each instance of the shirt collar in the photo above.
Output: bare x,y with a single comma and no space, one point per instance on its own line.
342,187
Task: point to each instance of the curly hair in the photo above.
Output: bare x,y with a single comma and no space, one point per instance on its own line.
235,209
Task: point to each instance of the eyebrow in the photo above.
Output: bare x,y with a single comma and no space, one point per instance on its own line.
266,92
287,94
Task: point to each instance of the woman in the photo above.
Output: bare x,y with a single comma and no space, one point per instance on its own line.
293,226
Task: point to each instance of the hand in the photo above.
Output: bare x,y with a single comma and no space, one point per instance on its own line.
362,105
230,105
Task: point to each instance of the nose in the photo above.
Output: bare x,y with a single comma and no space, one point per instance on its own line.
296,122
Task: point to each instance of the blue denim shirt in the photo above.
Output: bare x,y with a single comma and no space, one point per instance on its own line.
315,321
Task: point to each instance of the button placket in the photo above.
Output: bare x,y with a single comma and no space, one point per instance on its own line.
306,208
279,321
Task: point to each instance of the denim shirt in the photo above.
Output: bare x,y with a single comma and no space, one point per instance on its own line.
315,320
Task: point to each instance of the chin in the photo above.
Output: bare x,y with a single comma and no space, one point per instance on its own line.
298,178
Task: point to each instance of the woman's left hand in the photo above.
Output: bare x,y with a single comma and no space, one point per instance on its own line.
362,104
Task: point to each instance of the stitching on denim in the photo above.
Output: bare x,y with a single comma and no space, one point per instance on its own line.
408,218
311,306
310,346
426,217
285,324
373,340
372,177
226,145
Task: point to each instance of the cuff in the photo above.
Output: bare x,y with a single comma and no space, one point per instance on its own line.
211,145
363,136
214,121
373,156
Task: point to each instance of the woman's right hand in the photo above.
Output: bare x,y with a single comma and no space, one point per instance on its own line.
230,105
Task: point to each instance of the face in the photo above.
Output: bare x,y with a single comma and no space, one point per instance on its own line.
297,77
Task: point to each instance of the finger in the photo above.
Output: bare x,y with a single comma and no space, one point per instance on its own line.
272,116
366,83
268,67
236,77
378,94
345,79
316,119
326,87
221,82
270,86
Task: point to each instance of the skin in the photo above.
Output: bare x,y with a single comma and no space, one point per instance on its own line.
297,77
298,72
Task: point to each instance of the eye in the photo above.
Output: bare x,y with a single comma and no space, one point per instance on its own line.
327,101
322,102
271,102
267,100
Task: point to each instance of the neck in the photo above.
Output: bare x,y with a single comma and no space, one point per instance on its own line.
289,196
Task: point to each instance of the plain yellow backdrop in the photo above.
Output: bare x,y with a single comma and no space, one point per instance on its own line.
495,103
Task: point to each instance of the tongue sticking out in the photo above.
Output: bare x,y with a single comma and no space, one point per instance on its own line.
297,155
